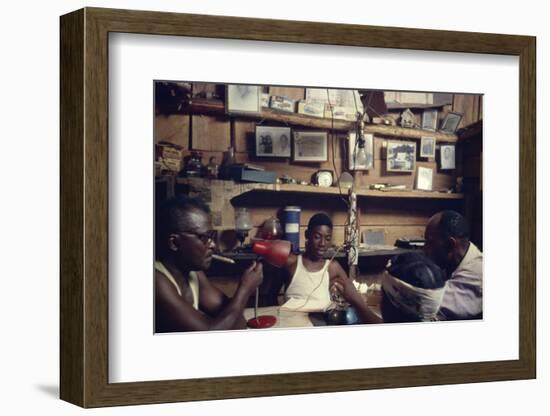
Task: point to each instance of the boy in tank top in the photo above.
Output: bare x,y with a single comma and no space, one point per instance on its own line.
308,276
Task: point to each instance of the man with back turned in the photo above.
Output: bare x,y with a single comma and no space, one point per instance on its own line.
448,244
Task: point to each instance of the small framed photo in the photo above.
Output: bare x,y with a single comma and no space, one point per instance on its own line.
310,146
429,119
273,141
451,122
242,98
424,178
401,156
447,156
427,147
360,155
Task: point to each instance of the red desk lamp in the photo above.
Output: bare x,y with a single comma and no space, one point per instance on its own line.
276,253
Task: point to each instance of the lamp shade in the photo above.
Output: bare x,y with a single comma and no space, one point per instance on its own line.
275,252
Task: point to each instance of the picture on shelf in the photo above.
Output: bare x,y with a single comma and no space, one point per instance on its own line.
259,214
427,147
447,157
401,156
241,98
429,119
273,141
424,178
450,122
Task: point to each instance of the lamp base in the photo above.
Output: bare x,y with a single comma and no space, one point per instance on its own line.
261,322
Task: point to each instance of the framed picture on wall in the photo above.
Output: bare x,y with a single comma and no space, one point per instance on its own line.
401,156
427,147
447,155
110,354
242,98
310,146
273,141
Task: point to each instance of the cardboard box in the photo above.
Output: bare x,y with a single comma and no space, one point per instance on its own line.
281,103
340,113
311,109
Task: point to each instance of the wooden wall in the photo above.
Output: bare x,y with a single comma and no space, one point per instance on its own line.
397,217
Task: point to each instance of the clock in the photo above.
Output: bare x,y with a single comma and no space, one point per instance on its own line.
324,178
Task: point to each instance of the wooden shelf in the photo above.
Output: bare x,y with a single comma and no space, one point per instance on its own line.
247,255
217,108
236,189
401,132
371,193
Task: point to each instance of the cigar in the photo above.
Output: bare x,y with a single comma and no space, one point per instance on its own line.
222,258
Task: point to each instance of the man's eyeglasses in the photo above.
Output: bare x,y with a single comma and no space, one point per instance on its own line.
205,238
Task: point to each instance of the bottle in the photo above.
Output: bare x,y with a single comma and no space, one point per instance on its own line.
228,161
212,168
194,165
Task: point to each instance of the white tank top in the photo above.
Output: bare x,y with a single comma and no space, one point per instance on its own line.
193,282
308,291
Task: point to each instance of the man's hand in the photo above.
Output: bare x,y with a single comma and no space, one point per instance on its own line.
253,276
346,289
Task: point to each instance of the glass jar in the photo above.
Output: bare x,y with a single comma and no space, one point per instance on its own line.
193,167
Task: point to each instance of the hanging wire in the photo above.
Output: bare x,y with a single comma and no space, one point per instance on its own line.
334,152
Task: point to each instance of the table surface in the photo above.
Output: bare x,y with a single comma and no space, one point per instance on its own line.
285,318
293,319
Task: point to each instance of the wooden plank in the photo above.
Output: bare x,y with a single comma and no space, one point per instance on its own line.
400,132
172,128
392,233
369,216
72,318
467,105
209,133
217,108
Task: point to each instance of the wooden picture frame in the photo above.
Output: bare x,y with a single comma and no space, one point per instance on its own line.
400,156
84,219
427,146
429,119
450,122
273,141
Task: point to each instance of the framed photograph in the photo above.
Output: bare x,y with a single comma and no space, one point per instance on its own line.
429,119
450,122
242,98
447,154
109,354
310,146
273,141
400,156
360,155
424,178
427,146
